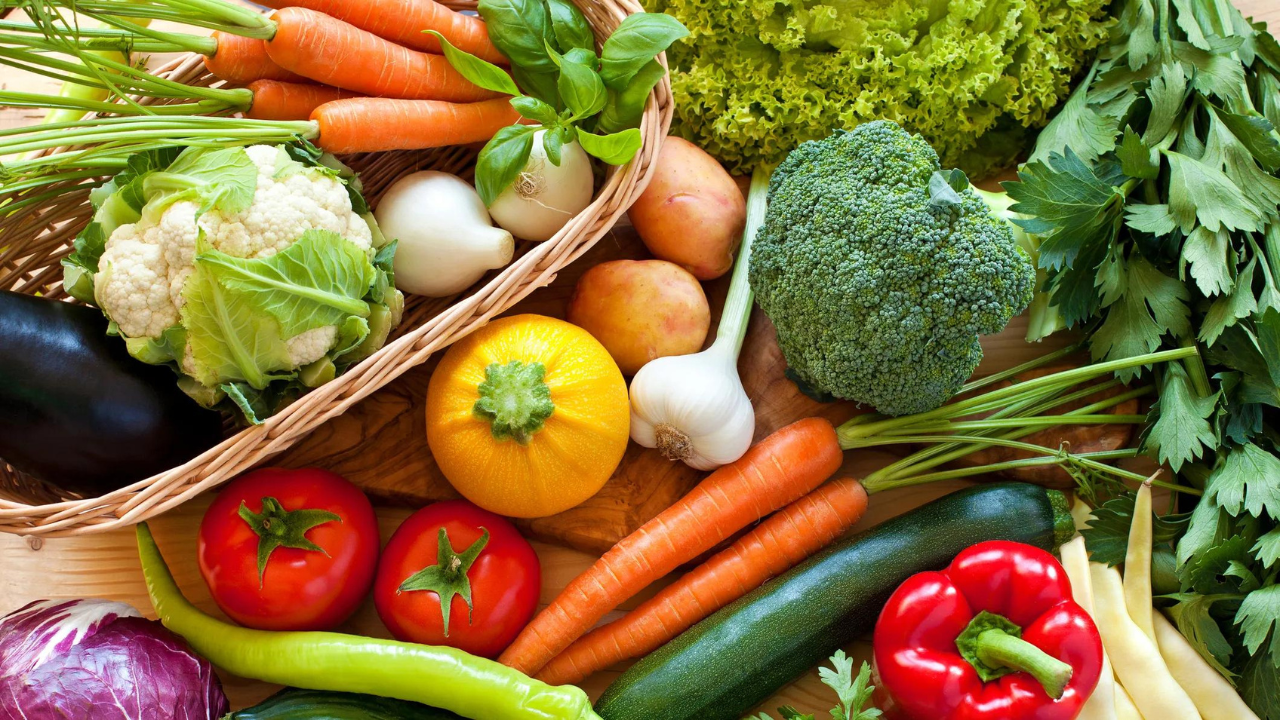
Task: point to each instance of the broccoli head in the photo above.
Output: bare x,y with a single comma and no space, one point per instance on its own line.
880,270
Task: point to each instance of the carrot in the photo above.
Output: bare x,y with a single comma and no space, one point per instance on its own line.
404,22
242,60
335,53
789,536
775,472
378,124
275,100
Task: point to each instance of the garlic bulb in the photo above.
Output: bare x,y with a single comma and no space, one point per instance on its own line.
693,408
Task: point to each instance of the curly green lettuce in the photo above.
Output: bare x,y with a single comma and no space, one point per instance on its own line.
756,78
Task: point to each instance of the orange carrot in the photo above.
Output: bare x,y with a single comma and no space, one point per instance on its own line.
775,472
403,22
789,536
275,100
379,124
335,53
242,60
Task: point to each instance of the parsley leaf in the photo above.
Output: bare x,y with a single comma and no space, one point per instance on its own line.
854,693
1181,431
1268,548
1191,615
1259,618
1201,193
1248,480
1206,254
1107,534
1151,306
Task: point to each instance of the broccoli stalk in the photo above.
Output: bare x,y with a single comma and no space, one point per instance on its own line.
1043,319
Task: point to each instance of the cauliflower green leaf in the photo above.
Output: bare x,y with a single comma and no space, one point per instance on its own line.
318,280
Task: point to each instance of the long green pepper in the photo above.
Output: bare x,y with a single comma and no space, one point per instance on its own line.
441,677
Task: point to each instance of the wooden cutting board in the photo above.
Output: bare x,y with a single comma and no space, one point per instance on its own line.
381,443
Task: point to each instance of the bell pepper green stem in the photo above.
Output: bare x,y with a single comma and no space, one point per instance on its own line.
1000,649
441,677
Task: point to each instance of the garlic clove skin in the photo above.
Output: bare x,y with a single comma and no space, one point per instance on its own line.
693,408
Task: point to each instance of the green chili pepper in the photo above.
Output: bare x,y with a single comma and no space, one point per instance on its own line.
441,677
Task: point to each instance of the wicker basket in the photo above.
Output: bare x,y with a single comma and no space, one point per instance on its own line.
37,238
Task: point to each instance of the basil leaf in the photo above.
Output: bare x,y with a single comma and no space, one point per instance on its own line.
534,109
539,84
480,72
637,40
624,109
570,27
502,159
520,29
615,149
583,57
582,89
552,142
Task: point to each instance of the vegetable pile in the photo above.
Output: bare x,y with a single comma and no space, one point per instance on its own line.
255,272
974,77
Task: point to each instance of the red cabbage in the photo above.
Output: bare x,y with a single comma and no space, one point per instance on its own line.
97,659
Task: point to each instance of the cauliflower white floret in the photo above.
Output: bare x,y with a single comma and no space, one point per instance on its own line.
133,285
146,264
284,208
308,347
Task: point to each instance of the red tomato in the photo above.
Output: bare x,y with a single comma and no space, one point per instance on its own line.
502,573
317,536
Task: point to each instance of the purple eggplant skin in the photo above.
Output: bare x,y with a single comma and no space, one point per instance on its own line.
77,411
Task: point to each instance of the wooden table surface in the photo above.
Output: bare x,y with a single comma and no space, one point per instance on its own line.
106,565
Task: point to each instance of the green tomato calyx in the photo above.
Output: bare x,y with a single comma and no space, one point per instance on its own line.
277,527
448,577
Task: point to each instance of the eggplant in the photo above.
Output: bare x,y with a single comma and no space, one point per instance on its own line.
77,411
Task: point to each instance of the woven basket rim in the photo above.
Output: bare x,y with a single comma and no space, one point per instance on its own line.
251,446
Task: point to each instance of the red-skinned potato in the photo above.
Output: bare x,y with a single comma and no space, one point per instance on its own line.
692,213
641,310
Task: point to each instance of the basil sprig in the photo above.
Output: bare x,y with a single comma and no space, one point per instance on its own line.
558,81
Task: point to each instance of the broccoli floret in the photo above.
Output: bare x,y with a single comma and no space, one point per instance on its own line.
880,271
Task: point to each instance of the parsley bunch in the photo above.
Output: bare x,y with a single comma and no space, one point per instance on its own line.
1156,203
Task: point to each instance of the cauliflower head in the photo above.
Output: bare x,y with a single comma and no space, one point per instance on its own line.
243,267
880,271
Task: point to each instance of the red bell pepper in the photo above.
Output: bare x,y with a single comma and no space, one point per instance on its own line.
995,636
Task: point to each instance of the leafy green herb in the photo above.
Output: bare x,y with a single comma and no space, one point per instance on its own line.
1156,201
854,692
558,81
1107,534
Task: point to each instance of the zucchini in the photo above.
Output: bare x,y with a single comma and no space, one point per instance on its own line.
727,664
299,704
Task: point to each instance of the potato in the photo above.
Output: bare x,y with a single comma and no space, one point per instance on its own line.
641,310
692,213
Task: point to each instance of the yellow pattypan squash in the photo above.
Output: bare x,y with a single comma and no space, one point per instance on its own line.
527,416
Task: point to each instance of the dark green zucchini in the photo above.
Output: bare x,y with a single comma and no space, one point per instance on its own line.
298,704
77,411
726,664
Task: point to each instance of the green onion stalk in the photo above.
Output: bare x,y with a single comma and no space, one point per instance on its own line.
87,151
1002,416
